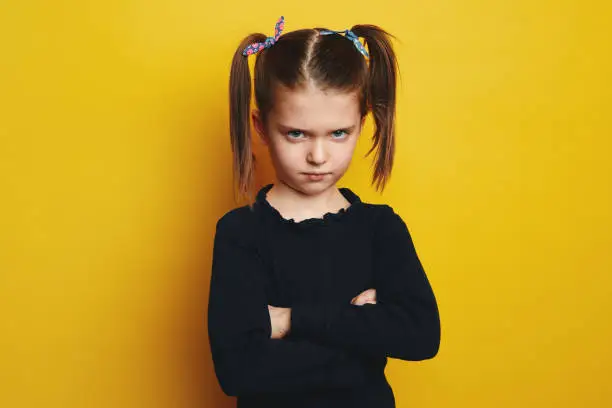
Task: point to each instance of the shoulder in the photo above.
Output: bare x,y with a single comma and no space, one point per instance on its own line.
387,225
382,215
235,217
239,222
390,232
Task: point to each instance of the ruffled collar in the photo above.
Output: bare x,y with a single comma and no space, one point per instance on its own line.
327,218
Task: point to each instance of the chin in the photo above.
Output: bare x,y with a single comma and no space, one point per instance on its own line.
314,187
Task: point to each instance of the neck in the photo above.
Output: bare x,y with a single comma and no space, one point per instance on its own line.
292,203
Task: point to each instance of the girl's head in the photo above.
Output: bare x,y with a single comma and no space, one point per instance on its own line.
313,90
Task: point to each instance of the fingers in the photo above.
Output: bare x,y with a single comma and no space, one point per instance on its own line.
368,296
363,302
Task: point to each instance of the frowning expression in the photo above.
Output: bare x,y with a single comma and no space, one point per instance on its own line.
311,135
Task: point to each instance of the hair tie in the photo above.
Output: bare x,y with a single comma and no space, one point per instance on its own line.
350,36
256,47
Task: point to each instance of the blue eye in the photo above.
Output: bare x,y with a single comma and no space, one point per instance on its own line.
295,134
339,134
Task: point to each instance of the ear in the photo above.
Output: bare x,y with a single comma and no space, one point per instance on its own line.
259,126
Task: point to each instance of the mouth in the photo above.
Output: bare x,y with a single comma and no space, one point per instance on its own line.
315,176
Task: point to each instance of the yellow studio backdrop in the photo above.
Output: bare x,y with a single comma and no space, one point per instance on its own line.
115,164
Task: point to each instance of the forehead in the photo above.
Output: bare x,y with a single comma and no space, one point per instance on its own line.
311,107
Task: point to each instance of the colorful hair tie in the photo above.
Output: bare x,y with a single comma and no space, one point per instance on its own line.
350,36
256,47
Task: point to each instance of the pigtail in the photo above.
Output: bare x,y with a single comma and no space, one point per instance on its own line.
240,124
380,94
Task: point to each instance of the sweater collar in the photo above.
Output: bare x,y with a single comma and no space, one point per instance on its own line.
326,219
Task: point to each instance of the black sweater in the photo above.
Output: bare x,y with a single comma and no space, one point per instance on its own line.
336,353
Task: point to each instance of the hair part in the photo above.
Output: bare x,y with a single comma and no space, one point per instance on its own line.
328,61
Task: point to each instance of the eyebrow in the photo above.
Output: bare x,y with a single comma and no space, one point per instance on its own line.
286,128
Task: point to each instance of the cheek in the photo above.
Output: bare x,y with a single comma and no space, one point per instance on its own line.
286,153
345,151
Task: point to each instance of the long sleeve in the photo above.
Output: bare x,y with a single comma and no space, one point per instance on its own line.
246,360
403,324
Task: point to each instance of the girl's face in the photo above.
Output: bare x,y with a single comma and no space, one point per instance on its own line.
311,135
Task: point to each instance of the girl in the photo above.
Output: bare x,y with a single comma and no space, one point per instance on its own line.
311,288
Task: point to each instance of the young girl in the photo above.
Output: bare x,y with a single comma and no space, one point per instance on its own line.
312,289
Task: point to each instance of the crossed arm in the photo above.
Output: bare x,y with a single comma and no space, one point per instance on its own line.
280,317
331,344
398,318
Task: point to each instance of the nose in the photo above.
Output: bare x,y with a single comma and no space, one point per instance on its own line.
317,154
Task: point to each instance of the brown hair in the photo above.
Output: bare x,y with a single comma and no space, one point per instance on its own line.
330,61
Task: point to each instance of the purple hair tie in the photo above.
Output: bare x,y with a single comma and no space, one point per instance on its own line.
350,36
256,47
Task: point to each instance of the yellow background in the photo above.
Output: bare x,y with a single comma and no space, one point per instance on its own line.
115,165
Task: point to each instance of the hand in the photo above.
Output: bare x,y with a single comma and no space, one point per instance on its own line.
280,317
368,296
